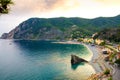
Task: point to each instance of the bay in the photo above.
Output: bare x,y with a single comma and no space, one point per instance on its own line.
42,60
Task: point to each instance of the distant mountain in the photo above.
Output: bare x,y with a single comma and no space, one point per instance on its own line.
60,28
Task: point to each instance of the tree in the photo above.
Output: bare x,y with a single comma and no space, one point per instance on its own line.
95,36
4,6
107,71
118,62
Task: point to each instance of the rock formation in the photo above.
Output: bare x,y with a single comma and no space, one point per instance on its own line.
76,60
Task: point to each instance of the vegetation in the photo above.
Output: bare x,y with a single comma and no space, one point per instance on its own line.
111,34
112,56
80,33
107,71
110,78
80,39
4,6
73,28
118,61
102,43
111,48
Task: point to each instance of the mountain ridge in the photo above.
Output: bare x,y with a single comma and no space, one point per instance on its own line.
61,27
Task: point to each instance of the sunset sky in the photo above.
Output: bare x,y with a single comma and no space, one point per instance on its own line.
24,9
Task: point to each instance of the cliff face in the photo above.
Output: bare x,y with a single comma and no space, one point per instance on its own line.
60,28
41,33
4,36
36,28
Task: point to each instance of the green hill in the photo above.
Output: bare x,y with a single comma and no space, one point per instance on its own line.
60,28
111,34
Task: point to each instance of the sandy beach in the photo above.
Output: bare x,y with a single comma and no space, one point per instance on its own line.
98,59
99,64
95,58
68,42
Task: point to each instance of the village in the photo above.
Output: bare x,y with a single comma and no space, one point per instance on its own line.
108,58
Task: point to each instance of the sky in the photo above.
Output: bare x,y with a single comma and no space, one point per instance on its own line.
25,9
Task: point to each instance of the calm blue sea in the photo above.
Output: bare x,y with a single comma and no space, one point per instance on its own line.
42,60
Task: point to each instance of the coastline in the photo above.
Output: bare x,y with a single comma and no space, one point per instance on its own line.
99,64
95,58
94,61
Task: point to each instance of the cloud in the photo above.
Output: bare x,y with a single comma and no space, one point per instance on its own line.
43,6
56,8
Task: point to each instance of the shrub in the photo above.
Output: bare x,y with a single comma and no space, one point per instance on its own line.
102,43
110,78
112,56
117,61
80,39
107,71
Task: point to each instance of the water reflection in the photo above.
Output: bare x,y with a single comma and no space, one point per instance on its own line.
75,66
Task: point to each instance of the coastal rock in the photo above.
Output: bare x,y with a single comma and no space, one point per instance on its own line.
4,36
76,60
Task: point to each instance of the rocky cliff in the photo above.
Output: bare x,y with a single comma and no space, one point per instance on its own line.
76,60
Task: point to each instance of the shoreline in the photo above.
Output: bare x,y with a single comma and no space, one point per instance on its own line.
93,50
95,58
94,61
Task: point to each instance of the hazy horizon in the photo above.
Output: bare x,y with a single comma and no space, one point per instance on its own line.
23,10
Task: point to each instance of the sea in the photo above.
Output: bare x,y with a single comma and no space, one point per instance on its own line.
42,60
